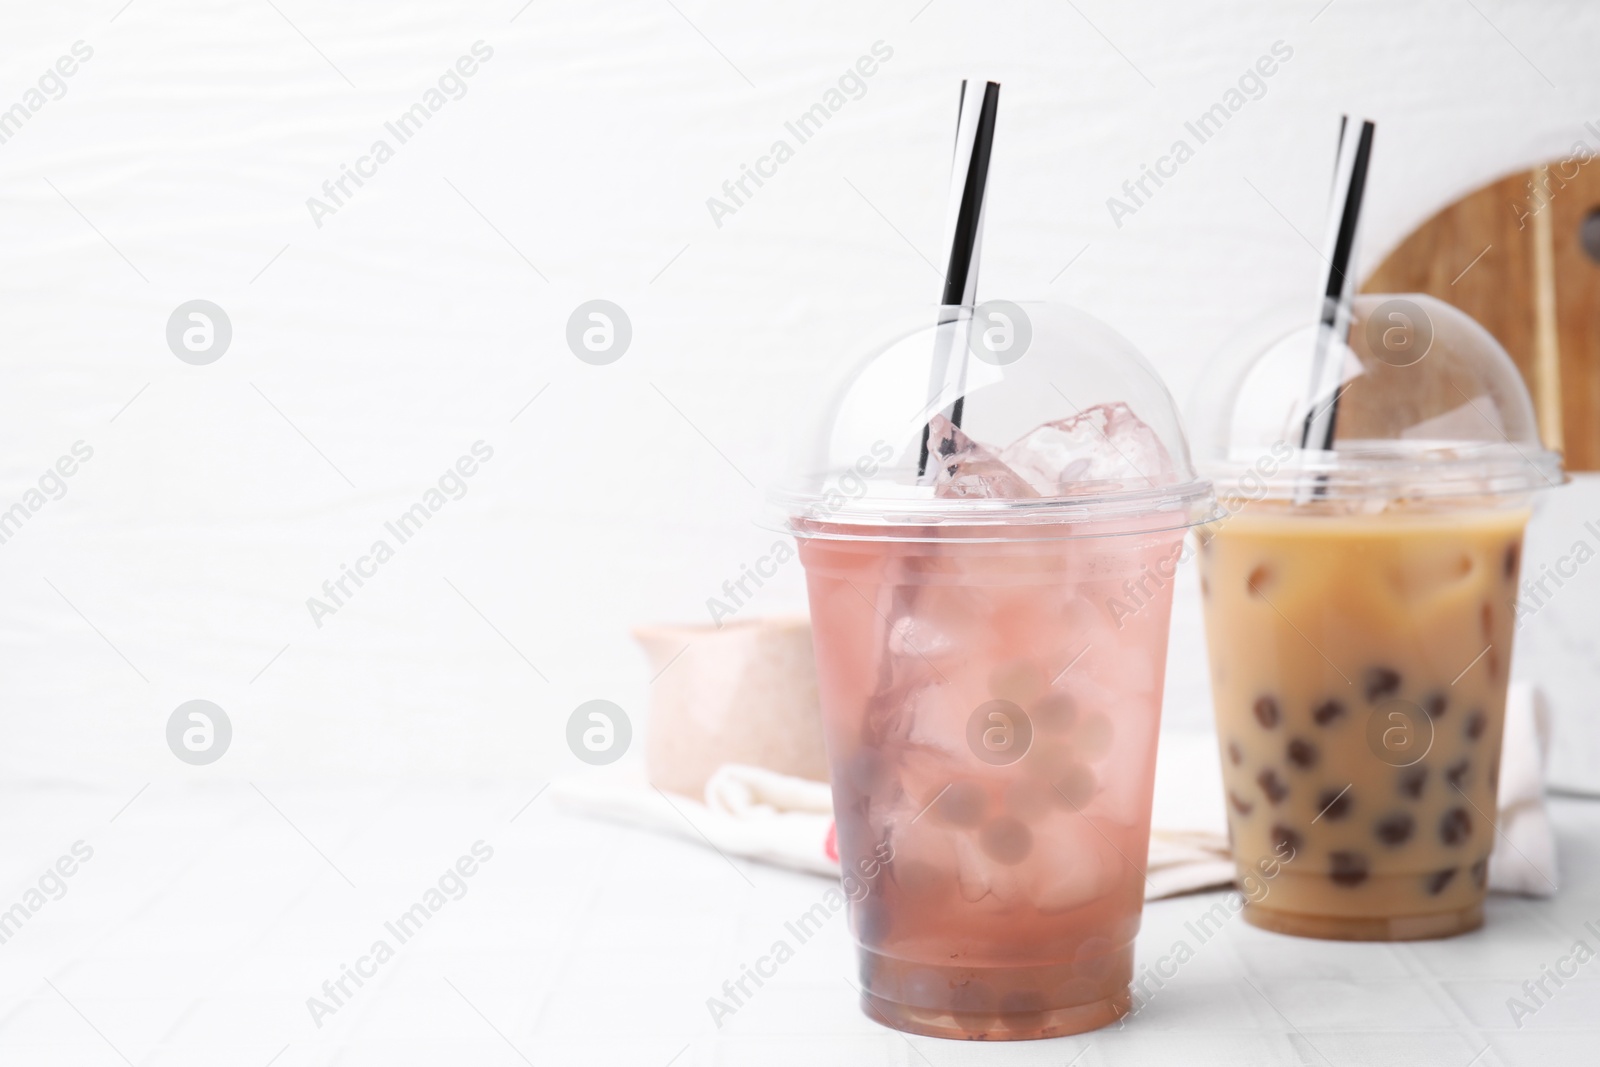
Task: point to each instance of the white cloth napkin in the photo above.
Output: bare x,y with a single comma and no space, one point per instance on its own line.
763,815
748,811
1524,857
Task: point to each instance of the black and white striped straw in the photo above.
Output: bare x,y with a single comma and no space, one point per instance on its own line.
1338,290
969,177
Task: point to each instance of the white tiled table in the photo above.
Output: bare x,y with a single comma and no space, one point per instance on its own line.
206,918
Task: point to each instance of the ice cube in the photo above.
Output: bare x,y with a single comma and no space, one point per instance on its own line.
1075,864
935,621
1103,447
1093,735
976,875
1054,864
968,469
1079,615
920,636
1423,576
924,857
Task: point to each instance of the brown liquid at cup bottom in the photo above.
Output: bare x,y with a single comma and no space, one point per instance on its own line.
1381,928
1359,667
1082,1005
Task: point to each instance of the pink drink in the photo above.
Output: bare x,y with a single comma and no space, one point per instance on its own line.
990,578
990,709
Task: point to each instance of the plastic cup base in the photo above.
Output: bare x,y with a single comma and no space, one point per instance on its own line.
1377,928
997,1026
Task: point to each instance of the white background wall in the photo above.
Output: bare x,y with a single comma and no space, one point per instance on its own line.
427,312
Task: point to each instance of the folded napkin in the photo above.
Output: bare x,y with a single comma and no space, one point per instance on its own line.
1524,857
1186,861
748,811
771,817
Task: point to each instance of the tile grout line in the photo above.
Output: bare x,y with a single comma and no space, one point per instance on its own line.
580,929
1422,974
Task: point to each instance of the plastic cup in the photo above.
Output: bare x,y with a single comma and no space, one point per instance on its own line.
991,640
1360,607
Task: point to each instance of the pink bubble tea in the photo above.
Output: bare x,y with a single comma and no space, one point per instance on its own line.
990,628
991,711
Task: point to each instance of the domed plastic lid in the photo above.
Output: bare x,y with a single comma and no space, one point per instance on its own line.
1000,422
1425,405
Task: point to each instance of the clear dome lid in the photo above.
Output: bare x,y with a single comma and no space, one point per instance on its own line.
1424,405
1006,422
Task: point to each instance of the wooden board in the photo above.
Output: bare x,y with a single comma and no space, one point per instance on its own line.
1511,255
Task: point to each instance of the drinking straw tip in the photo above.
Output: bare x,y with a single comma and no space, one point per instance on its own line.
1338,289
969,179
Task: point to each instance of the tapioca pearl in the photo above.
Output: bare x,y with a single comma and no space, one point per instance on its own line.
1260,581
1006,840
1456,773
1095,959
1093,735
1267,713
1476,724
1272,786
1394,829
1480,873
1455,826
1412,779
917,986
979,1023
1025,1002
1333,804
1380,682
1436,704
1486,616
1327,712
1302,753
1347,868
1076,785
973,997
1435,883
1285,839
1030,798
1235,753
1508,567
1054,713
1240,805
961,804
1019,681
